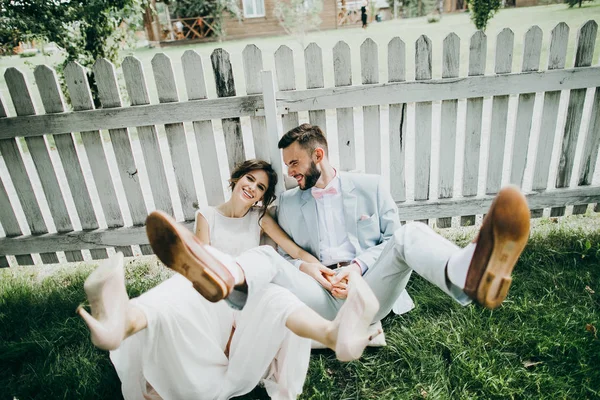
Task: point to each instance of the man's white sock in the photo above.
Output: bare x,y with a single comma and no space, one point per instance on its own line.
458,265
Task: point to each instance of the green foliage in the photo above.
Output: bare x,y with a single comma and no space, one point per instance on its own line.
482,11
542,343
573,3
85,29
298,16
414,8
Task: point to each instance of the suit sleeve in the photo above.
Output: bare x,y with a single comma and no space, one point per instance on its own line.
284,224
388,224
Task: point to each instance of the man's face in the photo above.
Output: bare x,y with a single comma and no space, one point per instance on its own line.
301,166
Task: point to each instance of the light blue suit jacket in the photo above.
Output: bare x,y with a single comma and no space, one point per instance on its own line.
370,213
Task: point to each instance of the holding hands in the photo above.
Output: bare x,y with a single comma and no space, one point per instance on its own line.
335,281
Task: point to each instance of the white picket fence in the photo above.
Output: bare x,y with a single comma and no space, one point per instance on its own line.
92,181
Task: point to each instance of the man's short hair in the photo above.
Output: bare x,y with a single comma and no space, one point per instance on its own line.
308,136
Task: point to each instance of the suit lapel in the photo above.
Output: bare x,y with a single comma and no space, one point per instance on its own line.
349,199
311,222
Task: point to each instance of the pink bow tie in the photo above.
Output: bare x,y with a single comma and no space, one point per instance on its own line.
319,193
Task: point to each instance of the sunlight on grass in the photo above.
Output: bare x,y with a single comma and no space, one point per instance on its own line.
541,343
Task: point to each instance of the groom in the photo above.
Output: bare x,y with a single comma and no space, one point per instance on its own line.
349,220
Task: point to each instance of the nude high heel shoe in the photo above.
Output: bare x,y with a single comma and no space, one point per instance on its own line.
105,290
354,319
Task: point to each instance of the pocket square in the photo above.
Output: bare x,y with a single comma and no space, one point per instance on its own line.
363,217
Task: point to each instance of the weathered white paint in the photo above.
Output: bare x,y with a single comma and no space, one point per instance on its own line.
286,80
504,57
253,65
313,65
176,136
369,63
423,58
135,79
450,69
342,74
232,128
531,62
193,73
586,40
397,121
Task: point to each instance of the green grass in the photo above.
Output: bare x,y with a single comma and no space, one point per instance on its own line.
539,344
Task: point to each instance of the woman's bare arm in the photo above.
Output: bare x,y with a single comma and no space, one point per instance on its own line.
272,228
202,230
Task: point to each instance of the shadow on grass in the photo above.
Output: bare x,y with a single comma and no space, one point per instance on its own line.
541,343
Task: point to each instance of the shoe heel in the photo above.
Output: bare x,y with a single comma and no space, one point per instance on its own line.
489,296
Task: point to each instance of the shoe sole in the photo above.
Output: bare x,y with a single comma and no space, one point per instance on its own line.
183,252
506,229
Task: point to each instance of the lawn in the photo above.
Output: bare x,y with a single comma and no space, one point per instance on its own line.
541,343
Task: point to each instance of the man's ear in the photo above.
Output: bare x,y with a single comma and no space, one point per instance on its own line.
319,153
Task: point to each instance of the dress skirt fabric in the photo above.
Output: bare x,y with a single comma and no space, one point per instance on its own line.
180,355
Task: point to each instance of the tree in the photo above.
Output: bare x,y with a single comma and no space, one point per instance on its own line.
298,16
85,29
482,11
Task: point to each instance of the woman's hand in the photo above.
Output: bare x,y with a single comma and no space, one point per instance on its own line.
318,272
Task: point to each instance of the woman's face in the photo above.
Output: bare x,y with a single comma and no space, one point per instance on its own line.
251,187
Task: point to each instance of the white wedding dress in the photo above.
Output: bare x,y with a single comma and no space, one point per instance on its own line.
180,355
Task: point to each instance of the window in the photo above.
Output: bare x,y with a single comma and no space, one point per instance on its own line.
254,8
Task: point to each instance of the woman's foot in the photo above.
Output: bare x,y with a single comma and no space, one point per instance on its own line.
105,290
351,325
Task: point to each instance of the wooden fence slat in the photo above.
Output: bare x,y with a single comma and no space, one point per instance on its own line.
272,128
369,62
313,64
450,69
504,58
38,150
232,128
253,65
586,39
16,167
45,79
110,97
81,99
531,62
286,80
342,74
10,224
423,55
590,149
477,57
137,90
193,72
176,136
397,121
556,60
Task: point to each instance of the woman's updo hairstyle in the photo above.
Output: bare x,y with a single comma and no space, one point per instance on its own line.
254,165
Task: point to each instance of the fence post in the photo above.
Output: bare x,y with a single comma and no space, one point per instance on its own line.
272,130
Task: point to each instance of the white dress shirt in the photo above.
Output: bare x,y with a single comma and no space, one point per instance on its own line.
334,243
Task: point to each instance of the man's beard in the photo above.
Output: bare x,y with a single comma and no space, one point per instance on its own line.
311,176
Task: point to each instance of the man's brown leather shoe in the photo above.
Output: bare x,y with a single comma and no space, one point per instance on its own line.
183,252
502,238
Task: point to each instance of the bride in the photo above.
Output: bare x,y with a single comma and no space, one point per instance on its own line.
173,343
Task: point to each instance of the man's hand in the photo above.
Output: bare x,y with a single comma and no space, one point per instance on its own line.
340,280
318,272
